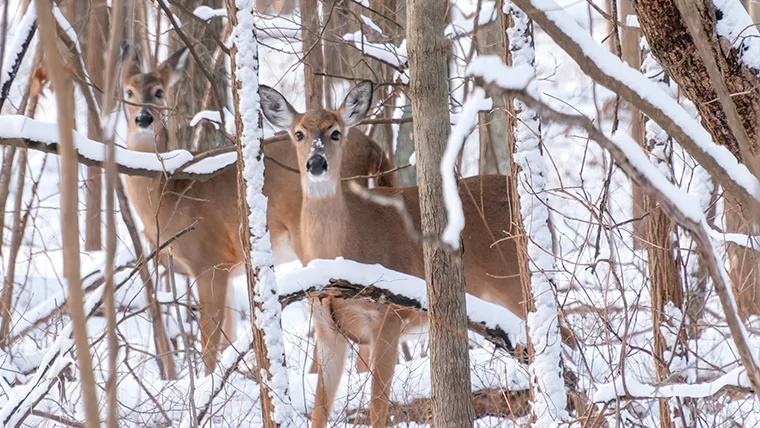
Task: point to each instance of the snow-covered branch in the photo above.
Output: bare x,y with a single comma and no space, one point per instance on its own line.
379,284
632,159
630,387
607,69
14,54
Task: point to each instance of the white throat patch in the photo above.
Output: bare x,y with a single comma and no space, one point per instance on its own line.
319,187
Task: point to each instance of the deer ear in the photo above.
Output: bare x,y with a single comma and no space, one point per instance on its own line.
130,62
276,108
171,69
356,104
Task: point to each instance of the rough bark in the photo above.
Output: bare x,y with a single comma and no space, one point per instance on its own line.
674,47
449,358
313,57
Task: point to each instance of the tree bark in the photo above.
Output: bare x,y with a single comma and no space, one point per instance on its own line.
313,58
449,358
632,56
97,30
64,91
674,48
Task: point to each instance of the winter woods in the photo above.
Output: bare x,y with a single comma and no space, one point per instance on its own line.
377,213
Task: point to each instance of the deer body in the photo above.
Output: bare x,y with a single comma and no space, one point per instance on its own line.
212,252
336,222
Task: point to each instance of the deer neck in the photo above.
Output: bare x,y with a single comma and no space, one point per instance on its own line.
144,192
324,225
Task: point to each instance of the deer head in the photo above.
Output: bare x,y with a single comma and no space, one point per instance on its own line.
318,135
145,96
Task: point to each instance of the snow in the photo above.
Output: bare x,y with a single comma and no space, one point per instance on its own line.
631,387
12,51
371,24
206,13
384,52
611,66
462,26
455,216
212,164
737,27
490,67
17,126
549,397
267,310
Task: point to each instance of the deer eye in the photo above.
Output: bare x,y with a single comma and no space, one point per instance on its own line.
129,93
335,135
299,135
160,93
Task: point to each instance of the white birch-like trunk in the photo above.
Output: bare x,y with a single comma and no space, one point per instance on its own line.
546,373
265,306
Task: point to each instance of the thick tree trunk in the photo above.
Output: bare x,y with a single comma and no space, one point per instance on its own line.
449,358
674,48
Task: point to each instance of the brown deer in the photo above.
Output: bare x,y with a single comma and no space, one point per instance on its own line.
212,252
336,222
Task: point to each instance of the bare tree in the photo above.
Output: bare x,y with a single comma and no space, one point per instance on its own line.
62,85
313,57
449,357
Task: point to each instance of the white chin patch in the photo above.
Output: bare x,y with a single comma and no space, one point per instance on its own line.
319,186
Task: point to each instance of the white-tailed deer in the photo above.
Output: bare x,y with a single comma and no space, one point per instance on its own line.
212,251
336,222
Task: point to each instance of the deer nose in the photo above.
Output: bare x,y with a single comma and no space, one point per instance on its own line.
316,165
144,119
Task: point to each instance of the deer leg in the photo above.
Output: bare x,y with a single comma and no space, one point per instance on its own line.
331,351
384,356
212,293
229,329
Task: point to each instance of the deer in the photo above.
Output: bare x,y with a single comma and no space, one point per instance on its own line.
337,222
211,253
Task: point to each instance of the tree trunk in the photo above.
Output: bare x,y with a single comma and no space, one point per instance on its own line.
495,125
632,56
64,92
97,30
449,358
674,48
313,58
259,262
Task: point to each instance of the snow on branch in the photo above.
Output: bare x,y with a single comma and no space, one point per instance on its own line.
461,26
608,70
736,379
466,120
549,396
634,162
15,52
382,285
737,27
387,53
